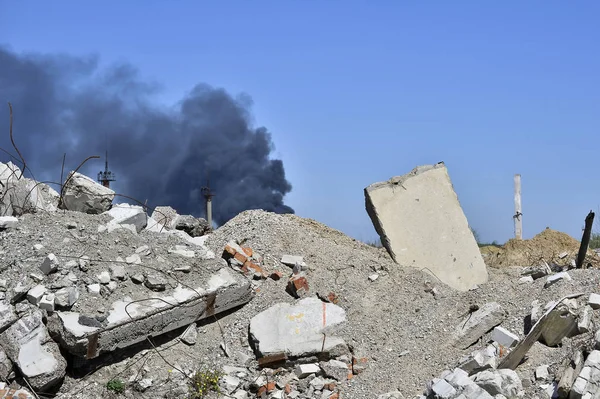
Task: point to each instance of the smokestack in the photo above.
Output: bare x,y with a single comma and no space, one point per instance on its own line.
68,104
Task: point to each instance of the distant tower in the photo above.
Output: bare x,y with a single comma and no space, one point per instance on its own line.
208,197
107,176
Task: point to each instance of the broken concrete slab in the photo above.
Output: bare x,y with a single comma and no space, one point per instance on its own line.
7,315
37,356
594,301
504,337
421,224
130,322
28,196
126,214
480,360
476,324
536,272
83,194
297,330
195,227
562,322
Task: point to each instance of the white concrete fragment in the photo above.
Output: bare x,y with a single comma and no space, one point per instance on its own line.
297,329
500,382
47,302
504,337
443,390
585,320
594,301
7,315
421,223
104,277
551,280
125,214
37,356
561,322
35,294
291,260
49,265
83,194
66,297
304,370
8,222
230,383
541,372
134,259
476,324
182,250
165,215
118,272
94,289
526,280
373,277
458,378
190,336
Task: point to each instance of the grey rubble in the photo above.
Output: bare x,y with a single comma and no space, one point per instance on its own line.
395,332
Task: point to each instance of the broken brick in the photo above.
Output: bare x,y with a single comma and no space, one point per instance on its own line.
330,386
277,275
334,395
249,266
287,389
267,388
297,286
247,251
240,257
333,298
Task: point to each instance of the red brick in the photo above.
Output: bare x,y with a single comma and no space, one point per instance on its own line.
287,388
240,257
334,395
332,297
331,386
277,275
230,250
297,286
248,251
255,268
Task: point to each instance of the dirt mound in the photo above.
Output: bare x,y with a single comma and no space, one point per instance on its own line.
550,246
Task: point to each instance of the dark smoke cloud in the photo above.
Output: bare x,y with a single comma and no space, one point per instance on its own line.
66,104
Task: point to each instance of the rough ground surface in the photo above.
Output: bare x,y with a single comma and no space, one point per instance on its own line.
551,246
403,329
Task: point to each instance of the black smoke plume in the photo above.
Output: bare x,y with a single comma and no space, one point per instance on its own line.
65,104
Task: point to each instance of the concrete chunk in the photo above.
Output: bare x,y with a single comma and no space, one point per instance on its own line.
297,330
49,265
118,272
66,297
478,323
125,214
443,390
37,356
504,337
291,260
35,294
500,382
304,370
421,223
83,194
594,301
158,315
47,302
7,315
8,222
561,322
585,320
555,278
165,215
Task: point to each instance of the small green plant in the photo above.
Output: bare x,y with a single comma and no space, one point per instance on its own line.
115,385
203,382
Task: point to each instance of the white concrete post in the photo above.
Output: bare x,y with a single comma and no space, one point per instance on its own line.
518,215
209,212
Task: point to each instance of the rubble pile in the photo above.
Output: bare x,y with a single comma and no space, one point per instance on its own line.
104,300
553,247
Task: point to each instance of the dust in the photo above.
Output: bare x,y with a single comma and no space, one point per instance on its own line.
550,246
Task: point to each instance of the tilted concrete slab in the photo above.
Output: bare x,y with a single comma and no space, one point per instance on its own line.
83,194
127,214
421,224
297,330
130,322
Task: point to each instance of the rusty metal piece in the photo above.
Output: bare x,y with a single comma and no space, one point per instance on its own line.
92,345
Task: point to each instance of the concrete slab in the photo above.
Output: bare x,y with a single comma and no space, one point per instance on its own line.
130,322
297,330
421,224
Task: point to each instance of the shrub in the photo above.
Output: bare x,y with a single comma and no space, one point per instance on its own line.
203,382
115,385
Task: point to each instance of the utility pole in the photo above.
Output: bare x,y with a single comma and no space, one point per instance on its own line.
518,216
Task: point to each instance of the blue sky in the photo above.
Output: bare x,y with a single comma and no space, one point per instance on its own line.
356,92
